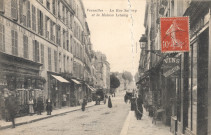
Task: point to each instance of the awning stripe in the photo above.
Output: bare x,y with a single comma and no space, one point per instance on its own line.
61,79
75,81
91,88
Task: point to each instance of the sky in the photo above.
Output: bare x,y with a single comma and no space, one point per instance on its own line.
117,36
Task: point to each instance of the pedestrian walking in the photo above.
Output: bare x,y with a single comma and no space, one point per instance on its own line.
97,100
84,103
133,103
35,105
2,105
138,107
109,102
31,106
12,107
48,106
39,105
64,99
104,100
6,94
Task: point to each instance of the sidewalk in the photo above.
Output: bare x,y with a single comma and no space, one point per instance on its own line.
35,117
143,126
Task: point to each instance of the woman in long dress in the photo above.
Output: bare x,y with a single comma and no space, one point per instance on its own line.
49,106
138,107
109,102
31,106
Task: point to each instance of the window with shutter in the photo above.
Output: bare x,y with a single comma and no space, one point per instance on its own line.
41,23
54,7
46,27
34,50
63,39
24,20
37,51
14,42
33,18
21,11
38,21
51,29
55,60
70,22
25,47
2,6
28,14
71,44
48,4
14,13
63,12
42,54
49,59
67,18
2,38
64,62
59,10
67,40
58,35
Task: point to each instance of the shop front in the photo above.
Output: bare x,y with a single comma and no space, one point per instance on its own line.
22,77
172,84
197,71
59,91
91,90
77,91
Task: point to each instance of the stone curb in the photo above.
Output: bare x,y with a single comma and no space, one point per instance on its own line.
35,120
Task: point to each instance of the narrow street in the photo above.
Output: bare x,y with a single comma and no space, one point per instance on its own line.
97,120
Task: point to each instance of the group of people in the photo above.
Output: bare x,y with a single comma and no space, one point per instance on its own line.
136,104
84,103
9,105
39,106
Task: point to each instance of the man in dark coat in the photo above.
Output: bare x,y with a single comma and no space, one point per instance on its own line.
12,107
39,105
139,108
48,106
109,102
84,103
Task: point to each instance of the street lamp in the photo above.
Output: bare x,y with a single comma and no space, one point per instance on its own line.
143,43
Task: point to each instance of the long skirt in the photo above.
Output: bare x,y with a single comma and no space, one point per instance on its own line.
31,109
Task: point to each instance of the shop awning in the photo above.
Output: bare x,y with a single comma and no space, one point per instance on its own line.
75,81
91,88
61,79
146,74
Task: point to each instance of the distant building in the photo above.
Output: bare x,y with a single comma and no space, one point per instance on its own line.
102,71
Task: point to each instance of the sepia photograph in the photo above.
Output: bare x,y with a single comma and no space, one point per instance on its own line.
105,67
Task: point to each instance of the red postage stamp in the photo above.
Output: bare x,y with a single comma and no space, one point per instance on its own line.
174,34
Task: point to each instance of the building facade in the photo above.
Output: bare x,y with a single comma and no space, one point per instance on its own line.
183,96
102,72
45,50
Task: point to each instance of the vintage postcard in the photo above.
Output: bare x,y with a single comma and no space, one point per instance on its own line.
105,67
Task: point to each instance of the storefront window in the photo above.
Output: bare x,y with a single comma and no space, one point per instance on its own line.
192,110
189,92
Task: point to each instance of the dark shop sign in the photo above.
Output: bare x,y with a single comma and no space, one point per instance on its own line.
170,66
